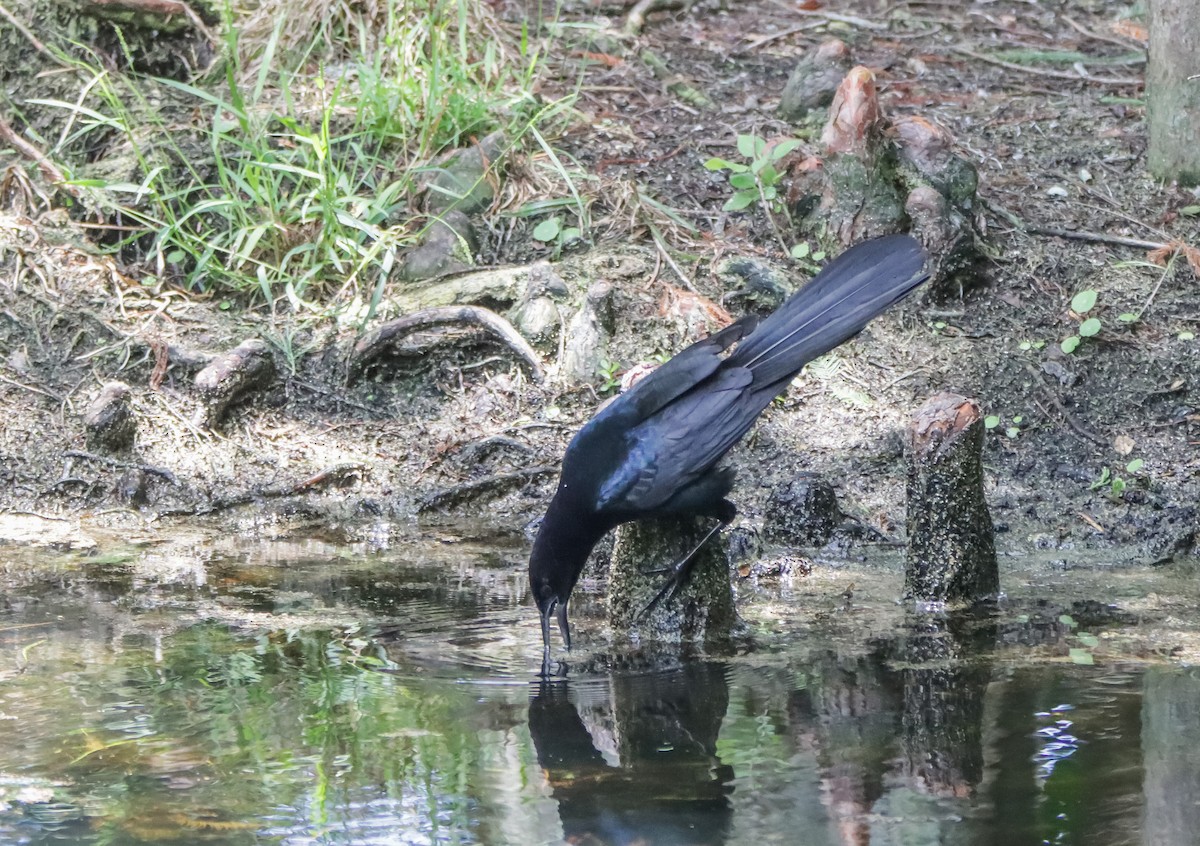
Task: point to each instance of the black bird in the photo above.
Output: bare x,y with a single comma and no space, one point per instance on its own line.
653,450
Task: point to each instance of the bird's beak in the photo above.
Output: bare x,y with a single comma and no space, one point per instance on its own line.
558,610
563,627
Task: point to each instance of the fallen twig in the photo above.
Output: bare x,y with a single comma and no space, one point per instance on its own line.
1053,74
1095,237
47,167
124,465
852,20
1062,409
484,485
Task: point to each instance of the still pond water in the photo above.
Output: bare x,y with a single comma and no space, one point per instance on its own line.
216,690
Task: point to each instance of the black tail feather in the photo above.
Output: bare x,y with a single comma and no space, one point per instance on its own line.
857,286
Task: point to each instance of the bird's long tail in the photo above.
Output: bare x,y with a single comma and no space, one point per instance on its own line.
855,287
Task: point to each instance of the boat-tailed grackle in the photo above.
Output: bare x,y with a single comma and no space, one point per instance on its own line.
653,451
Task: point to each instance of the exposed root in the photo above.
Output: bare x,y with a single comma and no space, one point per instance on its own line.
493,485
380,340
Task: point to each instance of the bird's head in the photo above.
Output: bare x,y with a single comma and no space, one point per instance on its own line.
555,563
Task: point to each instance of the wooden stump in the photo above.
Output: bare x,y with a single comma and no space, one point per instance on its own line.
703,611
951,548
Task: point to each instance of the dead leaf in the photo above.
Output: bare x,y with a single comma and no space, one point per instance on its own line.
1123,444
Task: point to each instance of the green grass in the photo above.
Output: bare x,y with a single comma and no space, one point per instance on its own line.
290,172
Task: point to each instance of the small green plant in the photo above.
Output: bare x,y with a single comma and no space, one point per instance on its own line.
1089,327
1012,431
1114,486
1081,304
1031,345
610,372
806,257
553,233
758,180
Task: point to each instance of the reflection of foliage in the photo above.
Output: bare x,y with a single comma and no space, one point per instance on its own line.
749,743
317,725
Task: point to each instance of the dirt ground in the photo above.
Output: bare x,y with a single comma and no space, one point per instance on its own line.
462,428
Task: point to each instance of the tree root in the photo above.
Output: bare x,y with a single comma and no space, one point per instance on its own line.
494,485
373,345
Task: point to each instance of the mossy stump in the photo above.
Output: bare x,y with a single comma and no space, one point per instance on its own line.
702,612
951,545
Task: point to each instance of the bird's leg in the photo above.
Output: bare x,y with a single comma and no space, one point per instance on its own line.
681,570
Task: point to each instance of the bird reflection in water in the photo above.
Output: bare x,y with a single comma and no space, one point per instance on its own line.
631,759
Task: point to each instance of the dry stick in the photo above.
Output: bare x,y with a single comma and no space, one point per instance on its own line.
500,480
23,386
1062,409
1053,74
763,40
826,17
125,465
47,167
1098,36
666,256
30,37
1095,237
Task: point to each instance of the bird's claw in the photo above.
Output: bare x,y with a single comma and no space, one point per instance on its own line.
667,592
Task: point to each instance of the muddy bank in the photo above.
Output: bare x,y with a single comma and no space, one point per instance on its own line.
453,420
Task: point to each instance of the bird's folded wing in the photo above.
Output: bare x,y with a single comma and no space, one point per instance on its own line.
681,443
679,375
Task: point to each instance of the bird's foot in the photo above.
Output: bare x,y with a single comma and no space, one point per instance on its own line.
681,573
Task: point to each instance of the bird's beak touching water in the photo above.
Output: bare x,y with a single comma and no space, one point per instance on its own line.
555,608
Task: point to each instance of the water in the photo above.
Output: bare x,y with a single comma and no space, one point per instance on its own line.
214,690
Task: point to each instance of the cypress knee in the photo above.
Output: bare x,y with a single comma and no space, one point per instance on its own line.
703,611
951,547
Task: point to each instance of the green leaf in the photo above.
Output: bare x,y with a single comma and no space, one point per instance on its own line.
819,255
1017,420
743,181
1012,433
801,250
1025,345
1118,487
1135,465
740,200
1185,335
783,148
769,175
1081,656
991,421
548,229
1067,620
1089,327
1069,344
745,145
1190,211
1082,302
770,192
1087,639
717,164
1127,317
